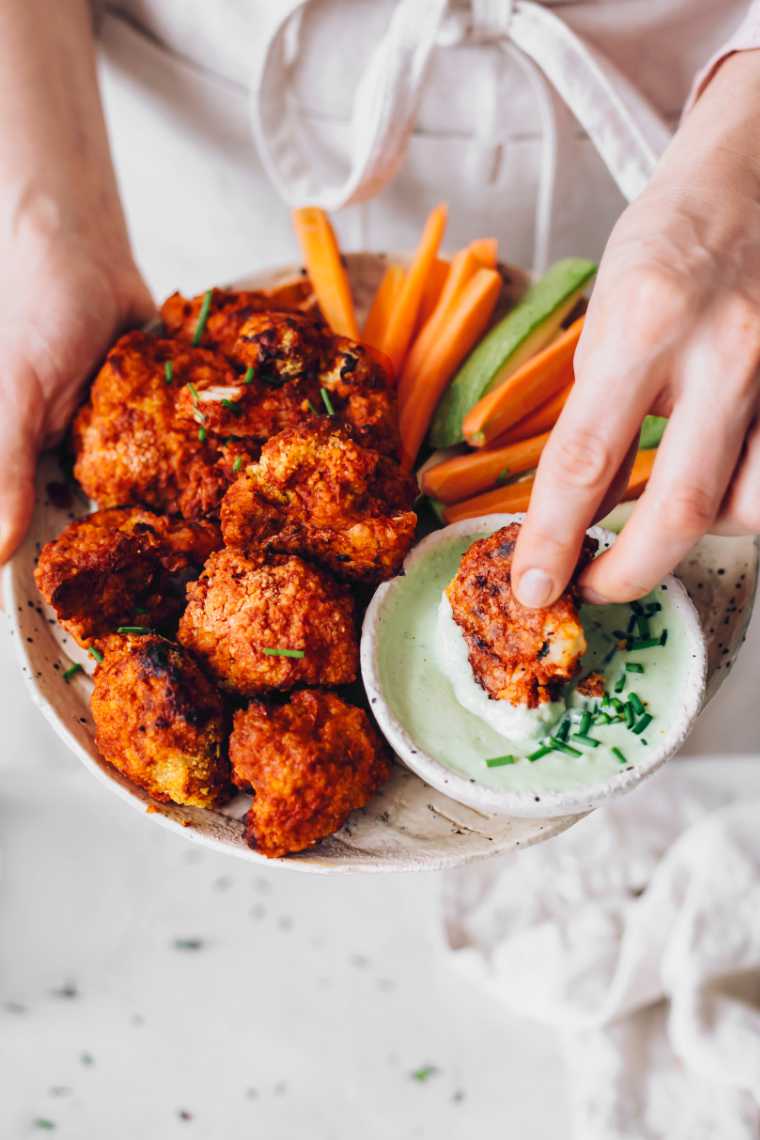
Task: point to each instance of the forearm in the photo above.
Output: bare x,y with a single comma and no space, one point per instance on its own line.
56,177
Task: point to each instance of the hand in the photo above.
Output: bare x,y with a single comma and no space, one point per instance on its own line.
673,328
61,306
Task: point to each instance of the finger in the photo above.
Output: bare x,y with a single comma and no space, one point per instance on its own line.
617,487
586,450
694,464
740,511
19,453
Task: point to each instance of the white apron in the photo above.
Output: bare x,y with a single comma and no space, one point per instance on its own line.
534,121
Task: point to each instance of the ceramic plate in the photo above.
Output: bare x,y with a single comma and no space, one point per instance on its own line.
409,826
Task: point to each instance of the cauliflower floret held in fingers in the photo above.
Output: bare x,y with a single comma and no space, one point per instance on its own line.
123,566
262,623
310,762
523,656
132,448
160,721
317,493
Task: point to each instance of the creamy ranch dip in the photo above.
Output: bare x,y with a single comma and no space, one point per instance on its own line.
641,650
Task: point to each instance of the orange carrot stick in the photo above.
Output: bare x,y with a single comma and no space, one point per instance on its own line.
513,497
544,417
640,472
467,475
439,271
486,251
467,321
398,333
382,305
532,384
325,268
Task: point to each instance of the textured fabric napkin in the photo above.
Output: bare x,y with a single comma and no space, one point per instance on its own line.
636,935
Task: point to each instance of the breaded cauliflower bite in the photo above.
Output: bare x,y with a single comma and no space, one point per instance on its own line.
124,566
520,655
159,721
310,763
270,622
317,493
228,310
130,445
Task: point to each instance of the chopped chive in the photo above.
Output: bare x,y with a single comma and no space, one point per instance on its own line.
500,761
653,608
327,402
602,718
620,754
583,739
635,700
231,406
563,730
502,477
630,716
620,634
620,683
72,672
169,371
284,652
606,660
617,704
562,747
631,623
642,723
193,391
248,377
202,317
637,608
133,629
646,642
202,434
95,654
311,408
544,750
642,621
634,667
664,637
585,723
237,464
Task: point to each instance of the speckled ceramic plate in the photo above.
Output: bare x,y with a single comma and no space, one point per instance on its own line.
409,826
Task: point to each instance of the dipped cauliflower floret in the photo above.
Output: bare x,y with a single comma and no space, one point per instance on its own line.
159,721
123,566
310,762
130,445
264,623
520,655
316,492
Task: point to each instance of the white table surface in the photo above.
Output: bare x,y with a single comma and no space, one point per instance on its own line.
290,1005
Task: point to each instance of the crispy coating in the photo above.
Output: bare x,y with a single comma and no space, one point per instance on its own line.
241,606
520,655
311,762
123,566
592,686
228,312
160,721
130,445
362,389
317,493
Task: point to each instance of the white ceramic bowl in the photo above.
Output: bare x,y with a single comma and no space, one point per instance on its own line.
537,801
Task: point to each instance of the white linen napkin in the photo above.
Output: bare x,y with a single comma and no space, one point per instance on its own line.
636,934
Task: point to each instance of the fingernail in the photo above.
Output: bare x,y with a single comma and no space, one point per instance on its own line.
534,588
593,598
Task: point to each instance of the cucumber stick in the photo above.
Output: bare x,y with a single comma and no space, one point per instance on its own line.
525,330
652,431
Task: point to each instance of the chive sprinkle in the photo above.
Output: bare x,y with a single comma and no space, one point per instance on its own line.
630,716
646,642
642,723
620,683
602,718
133,629
500,761
544,750
634,667
72,672
502,477
620,754
248,377
237,464
637,607
585,723
284,652
202,317
606,660
563,730
95,654
327,402
653,608
562,747
169,371
583,739
642,621
193,391
232,406
638,707
311,408
664,637
202,434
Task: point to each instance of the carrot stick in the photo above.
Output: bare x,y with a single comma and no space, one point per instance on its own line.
486,250
640,472
382,305
532,384
464,266
467,321
467,475
544,417
325,268
439,271
513,497
398,333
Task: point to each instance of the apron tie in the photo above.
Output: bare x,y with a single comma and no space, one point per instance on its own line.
625,129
